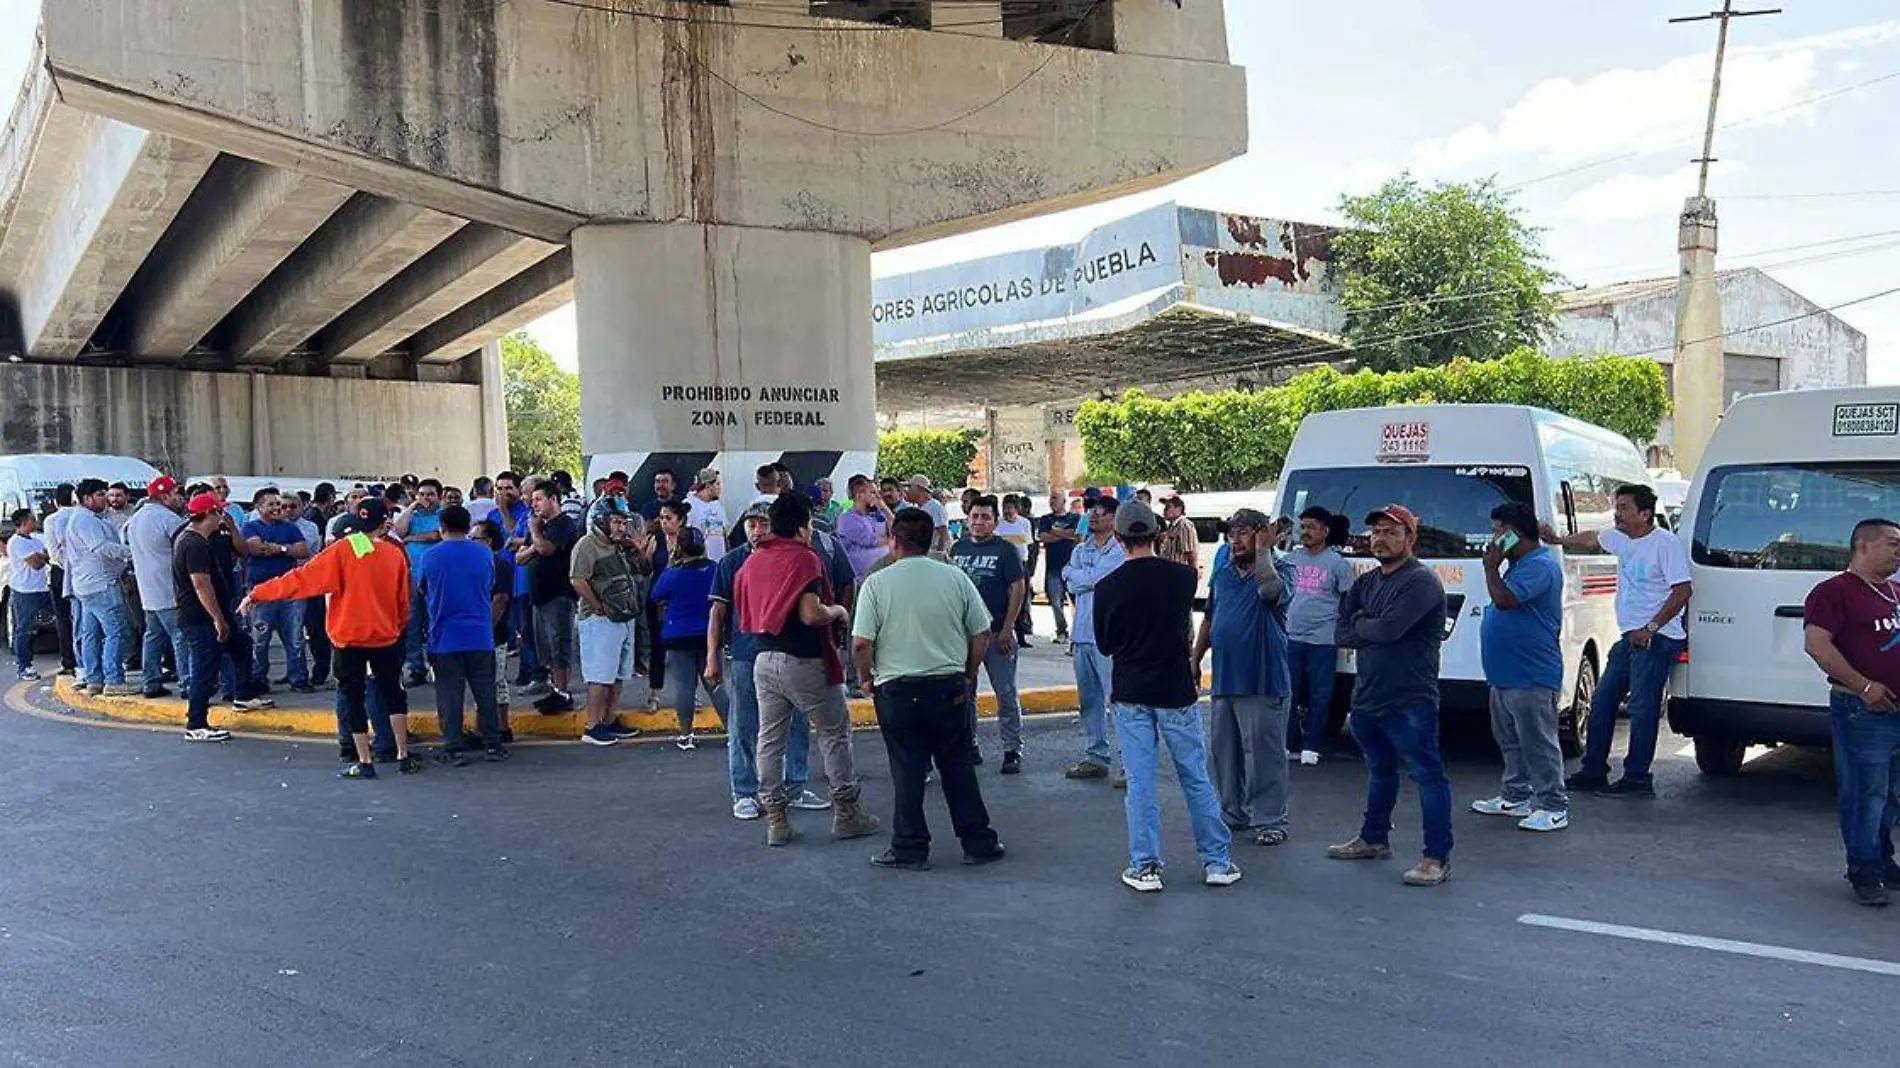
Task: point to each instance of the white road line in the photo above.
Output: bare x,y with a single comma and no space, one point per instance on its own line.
1719,945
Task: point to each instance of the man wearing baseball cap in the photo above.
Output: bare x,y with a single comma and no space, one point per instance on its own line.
1394,617
149,535
207,632
1094,559
705,514
366,576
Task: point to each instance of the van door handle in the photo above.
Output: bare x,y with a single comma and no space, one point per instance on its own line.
1791,611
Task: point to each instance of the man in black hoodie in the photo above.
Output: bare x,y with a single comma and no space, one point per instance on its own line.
1394,619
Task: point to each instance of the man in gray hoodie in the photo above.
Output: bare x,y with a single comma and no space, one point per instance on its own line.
1394,619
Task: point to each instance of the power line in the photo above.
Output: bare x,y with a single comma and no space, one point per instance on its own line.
1835,195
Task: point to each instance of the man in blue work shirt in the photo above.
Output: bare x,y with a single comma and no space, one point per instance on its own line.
1524,664
420,528
1094,559
1245,626
277,545
456,584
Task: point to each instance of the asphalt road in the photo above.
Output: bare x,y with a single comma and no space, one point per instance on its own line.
168,904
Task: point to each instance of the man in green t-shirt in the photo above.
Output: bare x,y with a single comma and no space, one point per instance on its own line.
919,636
604,568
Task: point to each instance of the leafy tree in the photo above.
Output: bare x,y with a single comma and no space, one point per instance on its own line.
544,408
942,455
1235,440
1430,274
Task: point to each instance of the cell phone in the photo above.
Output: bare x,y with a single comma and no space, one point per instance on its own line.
1507,541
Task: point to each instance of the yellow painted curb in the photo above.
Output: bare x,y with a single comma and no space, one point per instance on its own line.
525,722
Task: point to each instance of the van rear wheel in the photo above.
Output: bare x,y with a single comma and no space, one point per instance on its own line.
1575,721
1717,754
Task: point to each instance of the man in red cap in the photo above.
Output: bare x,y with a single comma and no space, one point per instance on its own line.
203,590
149,535
1394,616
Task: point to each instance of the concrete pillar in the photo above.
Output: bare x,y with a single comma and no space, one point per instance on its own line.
1699,362
494,411
725,346
262,460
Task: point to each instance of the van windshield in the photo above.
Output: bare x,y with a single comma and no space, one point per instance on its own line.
1790,516
1453,504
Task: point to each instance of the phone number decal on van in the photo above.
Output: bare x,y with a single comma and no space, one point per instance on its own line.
1866,420
1405,442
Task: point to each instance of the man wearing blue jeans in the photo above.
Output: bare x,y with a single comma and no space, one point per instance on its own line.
1853,634
95,559
149,536
1057,535
277,545
420,528
1141,616
28,588
729,656
1394,616
1652,589
1321,577
1094,560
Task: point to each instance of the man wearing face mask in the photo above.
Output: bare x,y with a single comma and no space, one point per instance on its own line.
1394,617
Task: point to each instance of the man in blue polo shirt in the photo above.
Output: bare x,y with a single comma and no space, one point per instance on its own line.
456,583
420,528
276,545
1524,664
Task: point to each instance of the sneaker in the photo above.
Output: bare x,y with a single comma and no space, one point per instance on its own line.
1583,781
29,675
495,754
653,702
1120,779
1359,849
807,801
890,859
207,734
686,742
156,691
454,758
409,765
1220,874
746,808
1062,639
67,670
554,703
302,687
119,689
1309,758
991,857
1498,806
415,679
1146,878
252,704
1025,642
96,689
598,735
623,733
354,770
1429,871
1087,769
1623,787
1270,836
1544,820
1871,893
1012,763
537,688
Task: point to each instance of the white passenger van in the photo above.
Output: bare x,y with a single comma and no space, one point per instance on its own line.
1451,464
28,480
1784,480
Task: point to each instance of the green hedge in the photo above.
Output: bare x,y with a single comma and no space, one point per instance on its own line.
1236,440
943,455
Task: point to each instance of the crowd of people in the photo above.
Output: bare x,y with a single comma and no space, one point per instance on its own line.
522,586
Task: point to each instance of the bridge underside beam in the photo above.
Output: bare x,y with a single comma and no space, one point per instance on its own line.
515,303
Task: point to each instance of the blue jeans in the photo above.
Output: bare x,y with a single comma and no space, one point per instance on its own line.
161,631
26,609
1867,783
1142,730
1640,675
103,633
742,737
285,619
199,661
416,636
1054,588
1092,687
382,737
1311,668
1407,736
521,627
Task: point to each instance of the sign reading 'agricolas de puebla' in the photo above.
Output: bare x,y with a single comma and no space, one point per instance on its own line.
712,406
1123,259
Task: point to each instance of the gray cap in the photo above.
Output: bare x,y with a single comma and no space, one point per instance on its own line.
757,510
1252,518
706,477
1136,520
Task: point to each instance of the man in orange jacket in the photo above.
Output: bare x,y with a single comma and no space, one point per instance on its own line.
366,576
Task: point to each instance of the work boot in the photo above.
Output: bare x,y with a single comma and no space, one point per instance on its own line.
849,820
778,825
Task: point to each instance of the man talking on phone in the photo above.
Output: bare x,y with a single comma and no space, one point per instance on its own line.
1524,665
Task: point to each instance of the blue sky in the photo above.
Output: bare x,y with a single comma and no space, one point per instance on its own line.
1344,95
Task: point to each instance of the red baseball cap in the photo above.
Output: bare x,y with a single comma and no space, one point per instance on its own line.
1397,513
204,504
162,486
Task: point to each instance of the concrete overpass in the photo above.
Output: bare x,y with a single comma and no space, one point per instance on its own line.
341,202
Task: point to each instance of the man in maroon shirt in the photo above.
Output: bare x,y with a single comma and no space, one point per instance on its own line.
1853,633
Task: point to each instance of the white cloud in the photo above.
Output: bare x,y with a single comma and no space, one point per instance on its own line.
1366,175
1562,121
1636,196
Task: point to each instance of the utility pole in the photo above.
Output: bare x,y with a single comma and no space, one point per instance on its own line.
1700,357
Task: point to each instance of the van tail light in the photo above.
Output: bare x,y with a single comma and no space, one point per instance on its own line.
1683,657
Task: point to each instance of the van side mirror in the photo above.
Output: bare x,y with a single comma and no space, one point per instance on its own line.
1570,507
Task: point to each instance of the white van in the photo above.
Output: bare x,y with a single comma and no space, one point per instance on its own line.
1451,464
1784,480
28,480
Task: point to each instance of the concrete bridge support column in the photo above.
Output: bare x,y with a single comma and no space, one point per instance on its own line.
724,346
